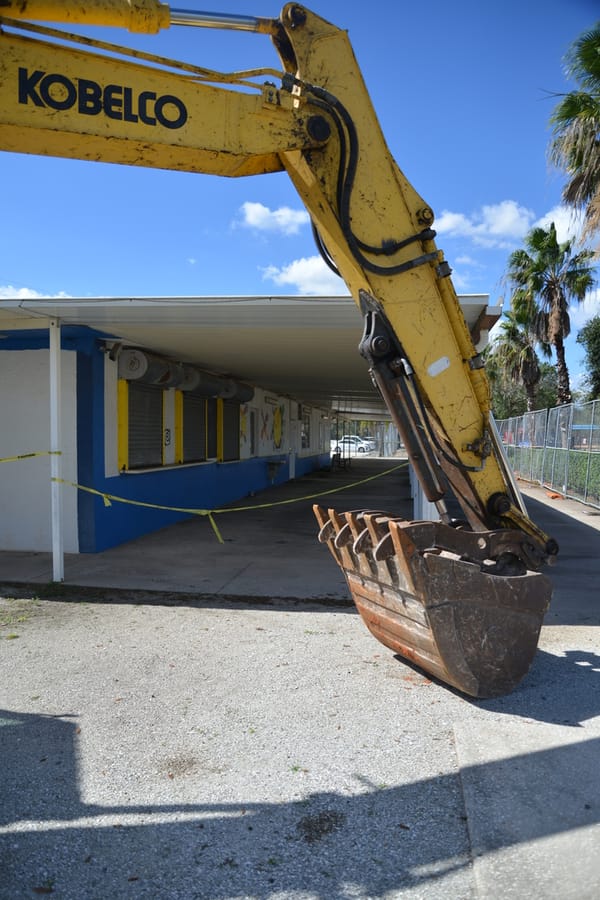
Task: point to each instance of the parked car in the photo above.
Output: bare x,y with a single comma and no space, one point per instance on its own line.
365,441
368,440
350,445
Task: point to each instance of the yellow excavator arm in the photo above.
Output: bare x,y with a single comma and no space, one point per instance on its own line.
73,96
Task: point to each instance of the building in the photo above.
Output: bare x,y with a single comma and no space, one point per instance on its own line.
165,406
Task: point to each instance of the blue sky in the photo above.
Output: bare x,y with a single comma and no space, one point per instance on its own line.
464,91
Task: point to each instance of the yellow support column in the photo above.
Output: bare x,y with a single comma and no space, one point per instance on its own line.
122,424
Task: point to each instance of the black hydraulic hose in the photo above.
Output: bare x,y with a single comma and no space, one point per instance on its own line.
323,251
349,155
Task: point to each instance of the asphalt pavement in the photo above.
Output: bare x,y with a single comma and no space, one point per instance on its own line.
190,719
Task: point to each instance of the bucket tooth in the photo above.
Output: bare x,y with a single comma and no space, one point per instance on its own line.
376,543
327,532
431,594
338,546
407,557
381,539
363,542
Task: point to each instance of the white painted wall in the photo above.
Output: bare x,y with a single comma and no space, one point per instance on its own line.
271,417
25,523
278,428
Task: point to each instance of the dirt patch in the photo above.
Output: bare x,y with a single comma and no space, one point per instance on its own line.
15,612
314,828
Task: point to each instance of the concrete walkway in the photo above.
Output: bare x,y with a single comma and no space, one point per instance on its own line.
204,729
269,544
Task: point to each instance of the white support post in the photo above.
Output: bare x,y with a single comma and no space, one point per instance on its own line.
423,509
58,563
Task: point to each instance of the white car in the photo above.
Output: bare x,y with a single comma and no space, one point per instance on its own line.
367,442
350,445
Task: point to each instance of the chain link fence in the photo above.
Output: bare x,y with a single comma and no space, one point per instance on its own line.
558,448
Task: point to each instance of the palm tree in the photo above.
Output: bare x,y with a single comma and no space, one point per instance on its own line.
575,147
545,277
513,354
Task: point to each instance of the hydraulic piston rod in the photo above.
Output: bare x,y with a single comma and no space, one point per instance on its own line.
222,20
143,16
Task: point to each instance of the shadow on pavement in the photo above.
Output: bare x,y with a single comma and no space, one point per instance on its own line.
558,690
368,843
576,599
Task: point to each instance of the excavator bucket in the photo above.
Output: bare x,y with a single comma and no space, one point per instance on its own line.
432,594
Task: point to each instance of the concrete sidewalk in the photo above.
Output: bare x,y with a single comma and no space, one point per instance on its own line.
224,736
269,548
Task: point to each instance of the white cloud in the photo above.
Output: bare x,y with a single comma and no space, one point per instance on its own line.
580,313
568,222
460,281
261,218
462,271
8,292
504,225
308,276
465,260
453,224
497,225
506,219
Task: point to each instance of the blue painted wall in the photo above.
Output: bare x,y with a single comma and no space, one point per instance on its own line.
205,486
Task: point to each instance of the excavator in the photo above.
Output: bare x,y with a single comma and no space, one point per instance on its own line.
462,598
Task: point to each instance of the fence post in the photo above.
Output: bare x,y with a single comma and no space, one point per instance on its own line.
544,445
569,444
589,453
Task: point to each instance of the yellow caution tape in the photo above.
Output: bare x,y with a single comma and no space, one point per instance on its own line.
31,455
109,499
312,496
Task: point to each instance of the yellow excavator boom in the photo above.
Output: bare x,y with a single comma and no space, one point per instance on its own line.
69,96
